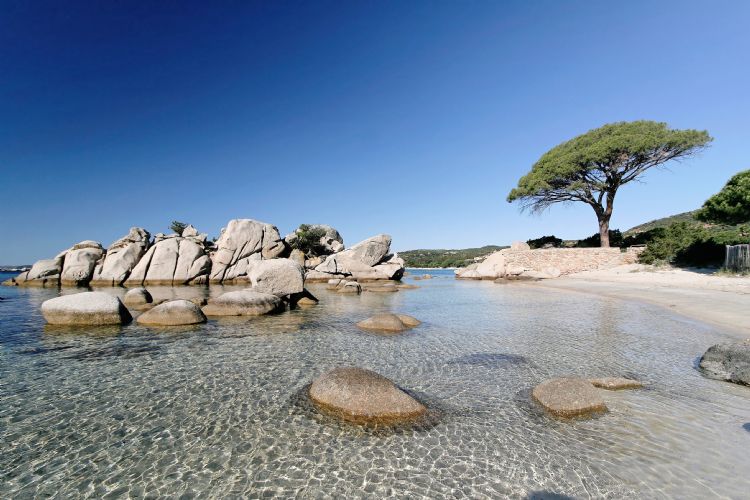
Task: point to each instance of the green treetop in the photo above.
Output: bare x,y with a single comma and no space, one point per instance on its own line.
591,167
731,205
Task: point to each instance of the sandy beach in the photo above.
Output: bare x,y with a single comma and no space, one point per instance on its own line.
720,300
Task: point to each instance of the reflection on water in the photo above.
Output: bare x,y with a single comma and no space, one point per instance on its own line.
220,409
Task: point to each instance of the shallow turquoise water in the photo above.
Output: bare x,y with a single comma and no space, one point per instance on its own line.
219,410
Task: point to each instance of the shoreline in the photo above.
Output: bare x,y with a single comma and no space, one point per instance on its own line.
719,301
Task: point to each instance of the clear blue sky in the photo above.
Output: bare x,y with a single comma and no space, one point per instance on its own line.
411,118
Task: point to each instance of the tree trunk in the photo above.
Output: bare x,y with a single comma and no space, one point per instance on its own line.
604,231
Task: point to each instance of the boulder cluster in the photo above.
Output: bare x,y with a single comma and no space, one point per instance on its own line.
246,251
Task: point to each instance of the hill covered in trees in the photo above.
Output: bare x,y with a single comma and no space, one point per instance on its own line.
446,258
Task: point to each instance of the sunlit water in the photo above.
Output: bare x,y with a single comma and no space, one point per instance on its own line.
219,410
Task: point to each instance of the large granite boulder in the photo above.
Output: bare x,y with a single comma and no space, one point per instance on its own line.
330,242
389,323
45,272
363,396
362,261
242,303
121,258
172,260
729,362
240,243
173,313
279,277
569,397
87,308
79,263
492,267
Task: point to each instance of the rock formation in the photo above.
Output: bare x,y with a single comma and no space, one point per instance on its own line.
389,323
569,397
242,242
363,396
137,297
367,260
242,303
280,277
330,242
172,260
729,362
173,313
87,308
121,258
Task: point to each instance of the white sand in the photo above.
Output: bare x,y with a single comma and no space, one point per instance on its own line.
720,300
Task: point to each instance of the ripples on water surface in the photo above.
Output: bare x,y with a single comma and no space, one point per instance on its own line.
216,410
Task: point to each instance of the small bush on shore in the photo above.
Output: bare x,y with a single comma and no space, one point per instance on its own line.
595,240
308,240
545,241
689,244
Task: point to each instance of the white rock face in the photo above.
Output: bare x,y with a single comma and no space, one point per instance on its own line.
80,262
171,261
492,267
279,277
122,256
392,268
87,308
519,246
360,261
243,241
45,268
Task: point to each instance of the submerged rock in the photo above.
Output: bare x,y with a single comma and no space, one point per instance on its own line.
173,313
615,383
386,322
363,396
569,397
242,303
87,308
729,362
137,297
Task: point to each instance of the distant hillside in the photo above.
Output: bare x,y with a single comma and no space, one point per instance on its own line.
663,222
446,258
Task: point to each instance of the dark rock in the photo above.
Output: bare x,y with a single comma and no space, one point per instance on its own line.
729,362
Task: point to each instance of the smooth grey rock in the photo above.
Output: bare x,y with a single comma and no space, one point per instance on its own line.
363,396
87,308
569,397
80,262
244,240
171,261
137,297
729,362
121,258
242,303
173,313
391,323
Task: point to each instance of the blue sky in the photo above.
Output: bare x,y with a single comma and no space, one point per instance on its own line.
411,118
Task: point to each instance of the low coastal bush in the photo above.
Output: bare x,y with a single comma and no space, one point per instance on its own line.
615,240
177,227
692,244
545,242
308,240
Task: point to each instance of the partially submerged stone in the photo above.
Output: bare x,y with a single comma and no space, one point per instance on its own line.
173,313
615,383
279,277
304,298
242,303
363,396
569,397
406,286
386,322
87,308
137,297
381,288
729,362
349,287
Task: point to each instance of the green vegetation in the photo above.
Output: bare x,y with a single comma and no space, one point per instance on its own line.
308,240
615,240
177,227
692,244
731,205
591,167
446,258
633,232
545,242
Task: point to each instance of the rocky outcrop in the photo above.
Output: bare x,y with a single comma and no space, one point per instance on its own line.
389,323
569,397
121,258
364,397
172,260
87,308
344,286
330,242
729,362
242,303
280,277
242,242
173,313
367,260
79,263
